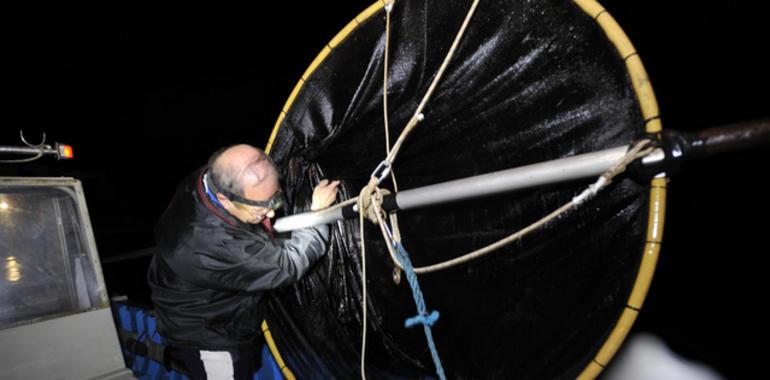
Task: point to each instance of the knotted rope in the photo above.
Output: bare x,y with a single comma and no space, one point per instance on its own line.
423,317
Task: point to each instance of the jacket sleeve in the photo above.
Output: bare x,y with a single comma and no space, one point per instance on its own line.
260,264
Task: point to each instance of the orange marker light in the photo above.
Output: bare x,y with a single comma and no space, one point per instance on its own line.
65,152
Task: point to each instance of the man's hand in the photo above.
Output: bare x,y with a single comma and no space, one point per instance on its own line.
324,194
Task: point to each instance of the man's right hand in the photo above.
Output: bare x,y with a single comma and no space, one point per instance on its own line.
324,194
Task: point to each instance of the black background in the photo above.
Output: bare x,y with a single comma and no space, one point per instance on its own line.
145,92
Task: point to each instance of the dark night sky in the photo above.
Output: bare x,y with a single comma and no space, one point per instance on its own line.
144,93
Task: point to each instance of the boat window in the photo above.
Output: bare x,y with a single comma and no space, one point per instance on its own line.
46,266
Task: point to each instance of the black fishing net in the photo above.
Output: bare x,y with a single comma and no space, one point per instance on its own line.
531,81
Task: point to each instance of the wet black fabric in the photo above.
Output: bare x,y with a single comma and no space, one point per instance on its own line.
210,272
531,81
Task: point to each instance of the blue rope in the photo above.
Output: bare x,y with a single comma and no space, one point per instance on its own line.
423,317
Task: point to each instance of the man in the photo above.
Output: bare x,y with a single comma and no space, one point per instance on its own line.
216,257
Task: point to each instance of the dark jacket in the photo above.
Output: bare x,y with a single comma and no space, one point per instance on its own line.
210,271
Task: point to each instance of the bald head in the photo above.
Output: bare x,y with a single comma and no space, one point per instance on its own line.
243,170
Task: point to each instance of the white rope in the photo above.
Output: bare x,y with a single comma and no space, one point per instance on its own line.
590,192
418,115
364,290
637,151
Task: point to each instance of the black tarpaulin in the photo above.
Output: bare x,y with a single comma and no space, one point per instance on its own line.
530,81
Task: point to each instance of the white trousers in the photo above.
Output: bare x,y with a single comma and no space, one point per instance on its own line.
218,365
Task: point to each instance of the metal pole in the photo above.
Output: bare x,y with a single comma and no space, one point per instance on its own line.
543,173
677,147
26,150
723,139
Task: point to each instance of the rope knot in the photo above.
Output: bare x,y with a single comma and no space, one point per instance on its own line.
370,200
423,318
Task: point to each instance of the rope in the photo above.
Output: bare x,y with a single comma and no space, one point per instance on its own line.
374,213
635,152
418,116
401,257
370,206
423,317
363,285
385,66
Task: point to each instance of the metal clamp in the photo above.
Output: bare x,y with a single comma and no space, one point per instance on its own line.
381,171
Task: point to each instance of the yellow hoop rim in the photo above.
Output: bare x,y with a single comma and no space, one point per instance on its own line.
657,205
